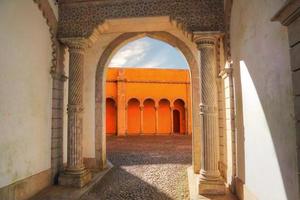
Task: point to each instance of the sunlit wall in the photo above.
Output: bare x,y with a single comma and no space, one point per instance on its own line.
265,128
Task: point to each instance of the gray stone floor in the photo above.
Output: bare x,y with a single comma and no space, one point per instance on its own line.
145,167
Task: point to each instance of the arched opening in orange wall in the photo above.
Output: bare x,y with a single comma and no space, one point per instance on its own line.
111,117
164,117
179,105
149,119
133,117
176,121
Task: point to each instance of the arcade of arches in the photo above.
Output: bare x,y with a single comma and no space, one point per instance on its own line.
157,101
243,112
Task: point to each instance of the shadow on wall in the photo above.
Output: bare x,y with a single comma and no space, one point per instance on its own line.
269,145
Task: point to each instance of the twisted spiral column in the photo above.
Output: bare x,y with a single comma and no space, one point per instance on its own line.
210,181
75,173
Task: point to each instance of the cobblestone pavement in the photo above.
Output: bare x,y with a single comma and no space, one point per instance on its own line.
146,168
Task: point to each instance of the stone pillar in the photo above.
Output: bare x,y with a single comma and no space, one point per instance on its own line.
121,115
210,181
172,123
142,119
75,174
156,119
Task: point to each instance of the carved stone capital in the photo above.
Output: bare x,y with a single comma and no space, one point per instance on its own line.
76,44
206,39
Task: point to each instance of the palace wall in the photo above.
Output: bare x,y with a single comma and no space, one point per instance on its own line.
265,118
26,99
149,87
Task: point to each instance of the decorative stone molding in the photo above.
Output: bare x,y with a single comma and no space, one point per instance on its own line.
206,39
226,72
52,23
77,43
288,13
82,18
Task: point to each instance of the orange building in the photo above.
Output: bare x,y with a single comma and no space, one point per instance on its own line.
143,101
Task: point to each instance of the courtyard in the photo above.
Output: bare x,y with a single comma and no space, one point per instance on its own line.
145,167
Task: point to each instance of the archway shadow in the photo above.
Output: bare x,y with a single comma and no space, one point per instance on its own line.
146,167
120,185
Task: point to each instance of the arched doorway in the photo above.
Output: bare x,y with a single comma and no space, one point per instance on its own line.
164,117
111,117
149,119
179,106
133,117
176,121
188,50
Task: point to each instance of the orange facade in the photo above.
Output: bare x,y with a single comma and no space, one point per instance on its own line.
141,101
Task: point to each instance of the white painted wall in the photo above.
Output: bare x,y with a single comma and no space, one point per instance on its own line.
264,101
25,91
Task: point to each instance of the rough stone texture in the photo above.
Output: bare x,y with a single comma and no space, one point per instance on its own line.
83,18
146,167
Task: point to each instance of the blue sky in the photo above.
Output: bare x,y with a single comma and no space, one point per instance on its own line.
149,53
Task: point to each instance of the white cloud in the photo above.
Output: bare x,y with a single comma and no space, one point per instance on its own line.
148,53
131,53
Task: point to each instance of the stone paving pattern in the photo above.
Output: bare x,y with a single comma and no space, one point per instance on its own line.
146,167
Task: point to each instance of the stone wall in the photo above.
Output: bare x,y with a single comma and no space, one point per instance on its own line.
26,103
266,139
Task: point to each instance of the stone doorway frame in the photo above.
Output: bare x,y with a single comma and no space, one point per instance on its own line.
107,55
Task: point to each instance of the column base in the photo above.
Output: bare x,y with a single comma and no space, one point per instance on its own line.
78,179
211,187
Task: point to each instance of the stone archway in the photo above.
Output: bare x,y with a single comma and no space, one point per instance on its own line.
202,46
100,88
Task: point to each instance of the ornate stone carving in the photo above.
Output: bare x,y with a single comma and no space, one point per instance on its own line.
80,19
52,23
